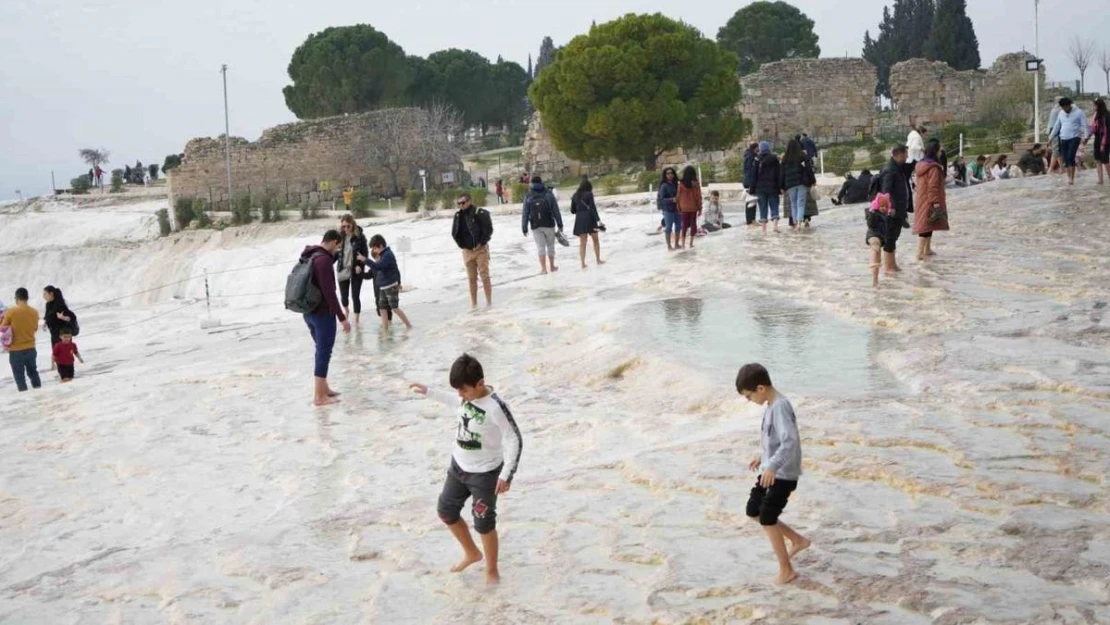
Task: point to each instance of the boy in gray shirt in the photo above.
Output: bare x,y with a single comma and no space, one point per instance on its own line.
780,466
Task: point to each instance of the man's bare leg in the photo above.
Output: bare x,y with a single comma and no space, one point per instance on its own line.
471,554
543,265
403,317
551,263
490,546
778,545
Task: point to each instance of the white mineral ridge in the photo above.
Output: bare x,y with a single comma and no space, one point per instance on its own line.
954,426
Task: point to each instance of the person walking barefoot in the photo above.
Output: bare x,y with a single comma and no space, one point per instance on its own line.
930,204
587,222
689,204
321,322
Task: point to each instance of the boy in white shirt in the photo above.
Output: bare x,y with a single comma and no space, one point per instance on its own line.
484,459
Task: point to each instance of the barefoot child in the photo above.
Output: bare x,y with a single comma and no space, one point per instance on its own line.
877,215
64,353
779,467
483,462
387,277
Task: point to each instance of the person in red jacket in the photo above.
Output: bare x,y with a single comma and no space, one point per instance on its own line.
64,352
322,321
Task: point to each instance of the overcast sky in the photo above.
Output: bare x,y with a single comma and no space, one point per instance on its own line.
141,77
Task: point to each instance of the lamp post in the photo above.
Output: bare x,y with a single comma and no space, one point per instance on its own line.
227,137
1037,73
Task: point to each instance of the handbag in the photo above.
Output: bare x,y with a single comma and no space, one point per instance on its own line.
937,213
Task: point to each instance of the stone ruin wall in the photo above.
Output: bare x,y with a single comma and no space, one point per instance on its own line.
301,161
833,100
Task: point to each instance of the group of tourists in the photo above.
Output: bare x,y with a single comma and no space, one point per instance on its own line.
19,325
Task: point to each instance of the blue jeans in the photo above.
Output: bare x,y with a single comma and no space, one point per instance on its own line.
797,197
768,201
322,329
1068,149
672,222
25,365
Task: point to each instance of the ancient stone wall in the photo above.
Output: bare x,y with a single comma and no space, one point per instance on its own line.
934,94
833,100
307,160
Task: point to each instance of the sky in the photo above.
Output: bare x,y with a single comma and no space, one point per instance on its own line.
141,77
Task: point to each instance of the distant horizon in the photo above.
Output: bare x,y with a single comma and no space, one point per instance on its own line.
87,90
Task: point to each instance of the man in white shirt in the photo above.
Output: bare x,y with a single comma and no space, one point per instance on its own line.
915,143
1071,128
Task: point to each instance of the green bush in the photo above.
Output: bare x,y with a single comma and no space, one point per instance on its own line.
432,199
183,214
153,171
204,221
314,211
648,179
267,210
200,213
360,203
412,200
241,211
164,227
278,208
479,196
519,191
734,170
304,211
117,181
1011,131
840,159
978,133
79,185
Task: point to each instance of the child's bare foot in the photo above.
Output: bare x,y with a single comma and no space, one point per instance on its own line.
785,578
796,548
493,578
468,559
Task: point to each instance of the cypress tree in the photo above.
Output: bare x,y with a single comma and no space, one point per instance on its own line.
952,38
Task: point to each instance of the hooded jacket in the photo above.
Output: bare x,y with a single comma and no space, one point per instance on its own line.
751,158
386,271
323,276
472,228
894,182
553,218
767,174
666,199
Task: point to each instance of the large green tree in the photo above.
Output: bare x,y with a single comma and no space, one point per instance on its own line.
763,32
467,83
546,57
509,99
903,33
346,70
952,38
636,87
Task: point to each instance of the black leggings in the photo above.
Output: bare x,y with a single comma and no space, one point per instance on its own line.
355,287
926,235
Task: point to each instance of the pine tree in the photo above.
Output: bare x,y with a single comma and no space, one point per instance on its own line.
903,33
531,74
952,38
547,55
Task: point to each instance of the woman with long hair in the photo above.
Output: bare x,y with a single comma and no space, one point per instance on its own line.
794,182
666,200
351,272
1001,168
1100,132
587,222
58,315
930,202
689,204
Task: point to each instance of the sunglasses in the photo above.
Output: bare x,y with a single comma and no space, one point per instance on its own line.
461,203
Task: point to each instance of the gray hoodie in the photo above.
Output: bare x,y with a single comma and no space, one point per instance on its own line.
782,447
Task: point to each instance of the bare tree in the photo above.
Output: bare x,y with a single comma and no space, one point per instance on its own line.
1081,51
412,138
1104,65
93,157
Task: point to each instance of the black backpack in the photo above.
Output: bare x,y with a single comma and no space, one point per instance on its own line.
539,210
301,294
74,327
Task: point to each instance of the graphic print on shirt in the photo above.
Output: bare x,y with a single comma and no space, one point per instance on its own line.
464,437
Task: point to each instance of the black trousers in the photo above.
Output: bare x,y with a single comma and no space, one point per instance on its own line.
354,286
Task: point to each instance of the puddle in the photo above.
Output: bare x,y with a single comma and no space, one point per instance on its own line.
806,350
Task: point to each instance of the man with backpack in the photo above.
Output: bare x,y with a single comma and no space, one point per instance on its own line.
310,290
541,212
895,182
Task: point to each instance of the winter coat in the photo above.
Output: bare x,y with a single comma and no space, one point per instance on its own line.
472,228
323,276
586,217
930,191
767,174
359,247
751,160
551,220
689,198
894,182
794,174
666,197
386,271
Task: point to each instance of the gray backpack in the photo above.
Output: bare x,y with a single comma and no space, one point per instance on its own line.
301,294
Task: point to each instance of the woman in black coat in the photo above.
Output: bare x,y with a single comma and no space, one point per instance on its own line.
58,315
587,223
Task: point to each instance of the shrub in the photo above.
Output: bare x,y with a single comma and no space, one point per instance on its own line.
360,203
949,135
479,196
648,179
412,200
153,170
840,159
278,208
266,210
117,181
734,170
79,185
172,160
241,210
433,199
204,220
183,213
1011,131
304,210
519,191
164,227
314,211
200,213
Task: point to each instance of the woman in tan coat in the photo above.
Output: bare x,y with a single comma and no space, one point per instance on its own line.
930,212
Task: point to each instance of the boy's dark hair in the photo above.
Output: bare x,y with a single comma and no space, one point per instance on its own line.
21,295
899,149
65,331
332,235
466,371
751,376
1065,101
981,158
377,241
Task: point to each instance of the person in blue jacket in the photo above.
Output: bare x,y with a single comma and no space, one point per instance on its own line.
666,200
387,277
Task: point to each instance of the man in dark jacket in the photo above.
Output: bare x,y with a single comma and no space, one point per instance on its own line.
1032,162
322,321
541,212
895,182
767,185
809,146
472,230
751,158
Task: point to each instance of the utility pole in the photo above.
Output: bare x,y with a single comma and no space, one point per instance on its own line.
1037,74
227,137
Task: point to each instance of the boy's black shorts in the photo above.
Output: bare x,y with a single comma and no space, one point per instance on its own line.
481,488
767,504
65,372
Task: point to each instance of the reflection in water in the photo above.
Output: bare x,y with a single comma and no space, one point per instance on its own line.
803,349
